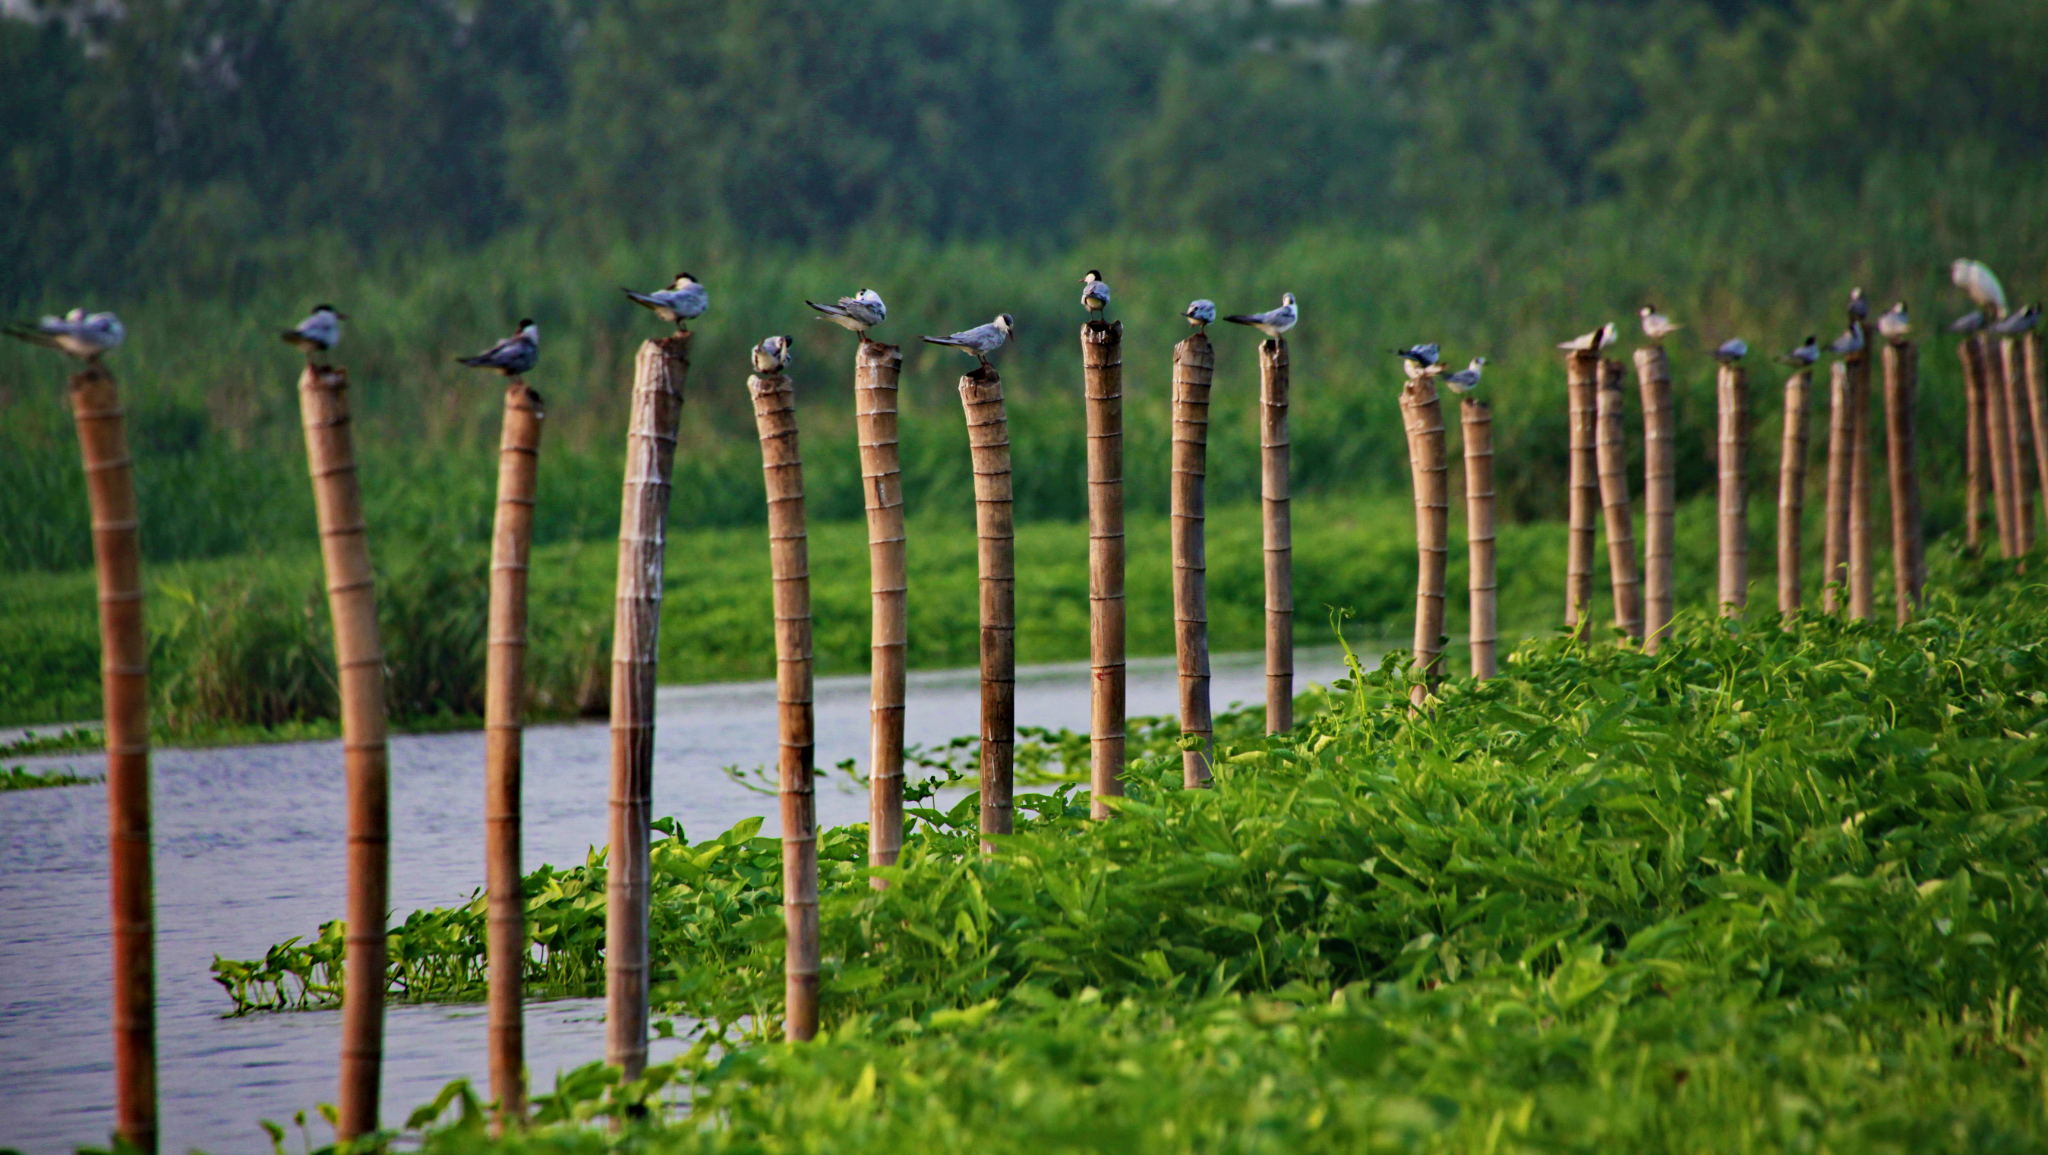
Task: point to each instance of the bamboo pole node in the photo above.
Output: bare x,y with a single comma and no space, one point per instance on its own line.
1909,554
1194,368
1102,386
1792,489
875,370
1581,370
1660,496
1476,417
659,371
1423,417
988,439
1277,533
1611,450
1731,394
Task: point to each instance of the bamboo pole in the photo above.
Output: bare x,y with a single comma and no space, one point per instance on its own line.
1660,498
782,468
1996,419
1834,573
1792,489
875,369
101,419
1973,406
1862,568
1194,366
1423,416
2030,353
1476,416
1102,382
659,371
1278,532
1580,373
988,439
2019,430
359,662
1612,452
1731,391
504,729
1909,554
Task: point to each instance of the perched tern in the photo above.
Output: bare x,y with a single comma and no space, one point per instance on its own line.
1592,342
1420,360
1851,340
1732,350
1467,379
83,335
1656,326
513,355
980,340
1200,313
1273,322
683,301
1977,279
774,354
1094,294
1894,324
860,312
1969,322
2019,322
1805,355
319,332
1859,307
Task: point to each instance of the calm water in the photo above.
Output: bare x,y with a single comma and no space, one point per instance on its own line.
249,852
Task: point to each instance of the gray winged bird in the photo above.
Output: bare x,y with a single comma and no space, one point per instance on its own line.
1467,379
1859,306
1805,355
774,354
1200,313
1273,322
1969,322
980,340
319,332
82,335
1420,360
1977,279
1851,340
1592,342
1095,294
2019,322
1894,324
513,355
682,301
1656,326
1732,350
860,312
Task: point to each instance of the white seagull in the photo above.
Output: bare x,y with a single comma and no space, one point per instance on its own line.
1656,326
319,332
1805,355
1200,313
1420,360
513,355
1969,322
1977,279
682,301
2019,322
1592,342
860,312
774,354
1467,379
1094,294
1732,350
1894,324
1851,340
1273,322
83,335
980,340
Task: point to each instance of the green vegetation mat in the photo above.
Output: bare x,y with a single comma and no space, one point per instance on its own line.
1771,889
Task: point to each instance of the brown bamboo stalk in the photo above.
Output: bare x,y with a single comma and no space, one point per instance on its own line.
1996,418
1102,383
1423,417
1278,532
1834,573
504,730
1194,367
2030,353
1611,448
1909,555
782,467
875,369
1660,497
2020,431
659,371
1792,490
1483,585
1973,416
1581,370
988,439
97,411
1731,391
1862,567
359,662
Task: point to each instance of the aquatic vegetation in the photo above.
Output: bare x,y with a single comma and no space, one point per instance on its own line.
22,778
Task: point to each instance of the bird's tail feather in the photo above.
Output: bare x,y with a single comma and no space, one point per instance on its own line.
946,341
831,310
32,335
641,299
1242,319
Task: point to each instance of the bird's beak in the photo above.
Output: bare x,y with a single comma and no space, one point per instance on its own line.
343,316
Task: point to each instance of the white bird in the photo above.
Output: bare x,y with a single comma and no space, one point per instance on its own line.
1592,342
1656,326
319,332
1420,360
1200,313
83,335
682,301
1851,340
1969,322
513,355
860,312
1094,294
1467,379
1859,308
1977,279
1732,350
1894,324
774,354
1805,355
980,340
1273,322
2019,322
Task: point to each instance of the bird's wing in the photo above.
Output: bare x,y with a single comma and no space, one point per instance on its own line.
642,299
838,310
1247,318
33,334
